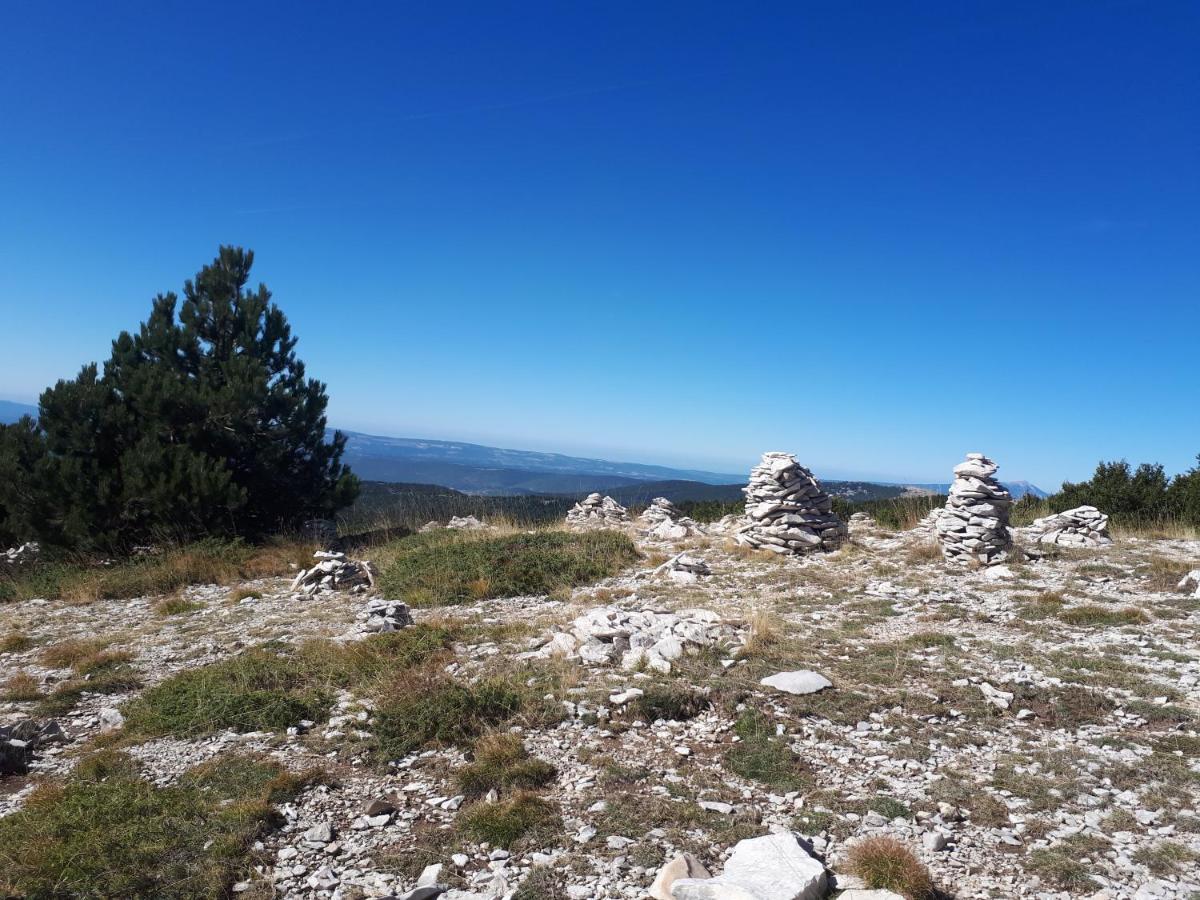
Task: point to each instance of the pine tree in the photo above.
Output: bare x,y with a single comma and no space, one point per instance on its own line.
202,423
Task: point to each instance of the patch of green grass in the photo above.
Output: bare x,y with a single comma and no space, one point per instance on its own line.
108,832
1165,857
669,702
426,708
1061,867
103,676
1156,714
266,690
522,816
1093,615
502,763
762,756
449,567
890,807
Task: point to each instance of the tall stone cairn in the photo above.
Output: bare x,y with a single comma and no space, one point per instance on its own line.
973,527
594,511
786,509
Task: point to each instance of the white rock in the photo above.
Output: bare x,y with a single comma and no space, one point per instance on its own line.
771,867
682,866
801,681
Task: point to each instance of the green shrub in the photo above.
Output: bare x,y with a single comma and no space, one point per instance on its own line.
501,763
502,824
448,567
107,832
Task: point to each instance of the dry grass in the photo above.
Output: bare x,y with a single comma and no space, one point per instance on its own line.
15,642
71,652
21,688
176,606
887,864
763,632
206,562
924,552
1095,615
501,763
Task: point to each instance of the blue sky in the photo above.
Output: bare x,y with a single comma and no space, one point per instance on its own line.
878,235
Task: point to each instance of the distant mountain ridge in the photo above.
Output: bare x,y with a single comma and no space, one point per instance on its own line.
1017,488
410,450
11,412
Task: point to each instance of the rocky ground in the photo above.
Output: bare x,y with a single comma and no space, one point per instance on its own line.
1029,730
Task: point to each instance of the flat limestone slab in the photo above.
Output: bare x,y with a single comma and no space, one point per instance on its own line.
801,681
771,867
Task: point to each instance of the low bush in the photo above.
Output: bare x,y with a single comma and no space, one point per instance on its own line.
15,642
522,816
884,863
449,567
501,763
108,832
21,688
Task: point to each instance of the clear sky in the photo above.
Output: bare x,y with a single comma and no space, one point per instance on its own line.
878,235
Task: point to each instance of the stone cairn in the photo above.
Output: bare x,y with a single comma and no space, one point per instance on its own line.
683,568
18,556
382,615
334,572
1083,526
973,527
594,511
786,509
663,520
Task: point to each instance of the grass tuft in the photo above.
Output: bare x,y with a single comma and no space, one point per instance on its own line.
884,863
522,816
501,763
425,708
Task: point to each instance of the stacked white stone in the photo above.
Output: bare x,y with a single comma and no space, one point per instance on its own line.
595,511
663,521
334,572
973,527
786,509
1083,526
684,569
18,556
383,615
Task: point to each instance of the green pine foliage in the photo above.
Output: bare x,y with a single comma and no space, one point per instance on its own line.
202,423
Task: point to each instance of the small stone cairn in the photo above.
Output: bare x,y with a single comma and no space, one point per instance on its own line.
1083,526
606,635
594,511
382,615
786,509
683,569
334,572
973,527
19,556
663,521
